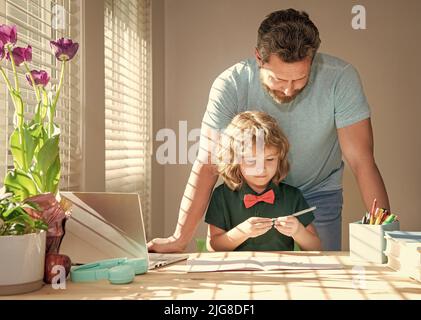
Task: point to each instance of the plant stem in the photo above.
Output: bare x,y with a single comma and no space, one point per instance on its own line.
50,122
14,69
23,142
44,105
18,106
11,92
16,91
63,65
9,86
54,104
33,82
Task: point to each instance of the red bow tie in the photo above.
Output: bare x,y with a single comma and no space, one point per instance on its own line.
251,199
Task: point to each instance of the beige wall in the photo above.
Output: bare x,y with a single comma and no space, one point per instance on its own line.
93,96
158,101
202,38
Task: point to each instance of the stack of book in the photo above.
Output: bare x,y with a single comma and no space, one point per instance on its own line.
403,251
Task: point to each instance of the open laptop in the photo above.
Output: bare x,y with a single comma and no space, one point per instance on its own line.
107,225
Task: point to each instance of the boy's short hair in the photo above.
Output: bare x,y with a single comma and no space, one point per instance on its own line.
236,139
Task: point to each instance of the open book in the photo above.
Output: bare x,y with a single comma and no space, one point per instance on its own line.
257,261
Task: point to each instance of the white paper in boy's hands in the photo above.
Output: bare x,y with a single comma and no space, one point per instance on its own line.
296,214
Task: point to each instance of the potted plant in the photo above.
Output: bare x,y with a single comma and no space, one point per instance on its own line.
22,247
34,145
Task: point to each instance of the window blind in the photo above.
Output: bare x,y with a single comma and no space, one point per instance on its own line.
128,100
38,22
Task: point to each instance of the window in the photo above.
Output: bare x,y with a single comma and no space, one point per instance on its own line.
128,100
38,22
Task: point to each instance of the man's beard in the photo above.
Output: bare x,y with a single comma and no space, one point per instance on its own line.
280,98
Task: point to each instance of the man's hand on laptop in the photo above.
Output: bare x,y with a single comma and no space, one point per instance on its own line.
166,245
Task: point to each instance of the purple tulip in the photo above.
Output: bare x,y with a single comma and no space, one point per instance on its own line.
8,34
64,49
21,54
41,77
1,50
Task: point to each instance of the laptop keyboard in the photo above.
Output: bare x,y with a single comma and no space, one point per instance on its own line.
162,259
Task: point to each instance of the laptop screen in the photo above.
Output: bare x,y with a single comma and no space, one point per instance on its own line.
104,226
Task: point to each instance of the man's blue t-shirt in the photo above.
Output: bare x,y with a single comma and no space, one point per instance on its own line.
333,98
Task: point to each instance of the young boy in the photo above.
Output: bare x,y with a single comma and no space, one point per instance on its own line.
252,210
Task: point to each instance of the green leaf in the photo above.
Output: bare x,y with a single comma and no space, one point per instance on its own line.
9,210
53,176
32,205
37,116
38,133
30,144
18,108
23,224
40,225
18,218
47,156
21,184
17,229
38,180
46,98
43,136
15,220
56,129
26,219
36,130
16,148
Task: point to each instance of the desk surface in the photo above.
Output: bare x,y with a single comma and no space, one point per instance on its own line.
354,281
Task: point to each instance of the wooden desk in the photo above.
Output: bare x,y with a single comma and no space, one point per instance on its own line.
172,282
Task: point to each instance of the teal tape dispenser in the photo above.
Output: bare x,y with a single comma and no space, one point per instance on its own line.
117,271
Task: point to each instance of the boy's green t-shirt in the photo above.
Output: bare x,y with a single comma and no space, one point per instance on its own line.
227,210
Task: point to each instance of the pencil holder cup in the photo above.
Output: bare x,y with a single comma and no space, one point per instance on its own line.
367,242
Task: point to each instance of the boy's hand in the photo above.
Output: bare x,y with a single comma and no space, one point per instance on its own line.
255,226
288,225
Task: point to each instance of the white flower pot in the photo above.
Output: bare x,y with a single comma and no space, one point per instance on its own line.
22,260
